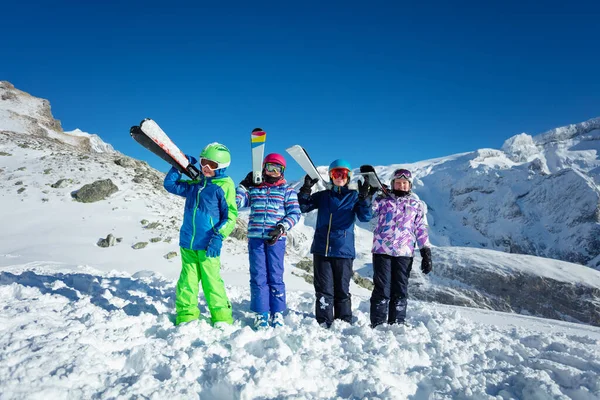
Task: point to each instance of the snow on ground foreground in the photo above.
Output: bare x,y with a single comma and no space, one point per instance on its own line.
74,332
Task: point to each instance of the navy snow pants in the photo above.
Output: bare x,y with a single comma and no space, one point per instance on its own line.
332,288
267,290
389,297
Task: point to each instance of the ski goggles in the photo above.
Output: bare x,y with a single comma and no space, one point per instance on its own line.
277,168
403,174
339,173
205,162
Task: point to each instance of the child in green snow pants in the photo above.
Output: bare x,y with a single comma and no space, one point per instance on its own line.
197,269
209,217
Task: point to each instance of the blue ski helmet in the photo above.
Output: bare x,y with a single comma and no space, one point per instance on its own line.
341,164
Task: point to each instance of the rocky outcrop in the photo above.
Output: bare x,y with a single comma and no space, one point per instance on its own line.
470,278
96,191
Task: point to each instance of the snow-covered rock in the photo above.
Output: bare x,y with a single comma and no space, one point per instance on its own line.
22,113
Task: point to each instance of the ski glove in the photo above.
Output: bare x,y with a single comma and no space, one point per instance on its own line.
426,260
308,184
191,159
275,234
363,188
214,246
373,190
247,182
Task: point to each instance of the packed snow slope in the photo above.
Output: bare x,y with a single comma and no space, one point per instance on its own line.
84,321
73,332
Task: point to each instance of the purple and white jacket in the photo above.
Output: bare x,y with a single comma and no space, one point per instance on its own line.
401,221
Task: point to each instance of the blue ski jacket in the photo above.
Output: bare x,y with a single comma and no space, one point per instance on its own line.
338,209
210,207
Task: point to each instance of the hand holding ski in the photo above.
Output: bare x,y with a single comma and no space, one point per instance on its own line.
369,172
153,138
301,156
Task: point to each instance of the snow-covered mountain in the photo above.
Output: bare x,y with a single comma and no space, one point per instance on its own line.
538,195
22,113
74,309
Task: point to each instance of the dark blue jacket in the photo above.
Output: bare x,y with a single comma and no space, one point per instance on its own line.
209,207
337,208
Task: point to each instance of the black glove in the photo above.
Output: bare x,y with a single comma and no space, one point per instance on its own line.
276,234
363,188
426,260
308,184
248,181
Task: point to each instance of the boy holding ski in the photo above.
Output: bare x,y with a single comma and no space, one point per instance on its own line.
401,222
274,211
333,244
209,217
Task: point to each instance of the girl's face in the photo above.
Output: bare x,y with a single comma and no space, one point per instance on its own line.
273,170
401,184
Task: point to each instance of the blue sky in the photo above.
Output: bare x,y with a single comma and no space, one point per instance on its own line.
374,82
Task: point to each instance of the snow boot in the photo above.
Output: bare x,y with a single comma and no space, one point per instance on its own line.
277,319
261,321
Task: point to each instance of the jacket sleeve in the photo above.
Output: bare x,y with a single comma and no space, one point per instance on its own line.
363,211
173,183
242,198
376,205
227,209
292,209
421,228
309,202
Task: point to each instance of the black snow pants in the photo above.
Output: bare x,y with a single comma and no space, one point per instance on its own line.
332,288
389,298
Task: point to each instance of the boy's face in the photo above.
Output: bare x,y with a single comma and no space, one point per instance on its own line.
339,176
208,167
207,172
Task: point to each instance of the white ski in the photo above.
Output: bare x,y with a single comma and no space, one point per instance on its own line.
299,154
257,142
152,137
154,132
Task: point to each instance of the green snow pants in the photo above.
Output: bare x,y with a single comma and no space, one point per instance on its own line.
197,268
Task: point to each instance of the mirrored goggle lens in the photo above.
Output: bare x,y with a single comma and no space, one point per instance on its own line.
273,167
208,163
339,173
403,174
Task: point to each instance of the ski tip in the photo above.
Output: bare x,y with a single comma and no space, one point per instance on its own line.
257,130
144,120
134,129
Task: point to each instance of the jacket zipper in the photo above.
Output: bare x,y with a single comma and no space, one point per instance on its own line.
328,233
266,210
194,216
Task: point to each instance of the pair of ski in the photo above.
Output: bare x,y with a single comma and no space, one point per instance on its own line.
153,138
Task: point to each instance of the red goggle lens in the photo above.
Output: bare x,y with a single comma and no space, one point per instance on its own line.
339,173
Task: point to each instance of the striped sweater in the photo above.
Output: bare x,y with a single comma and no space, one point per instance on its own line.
269,206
